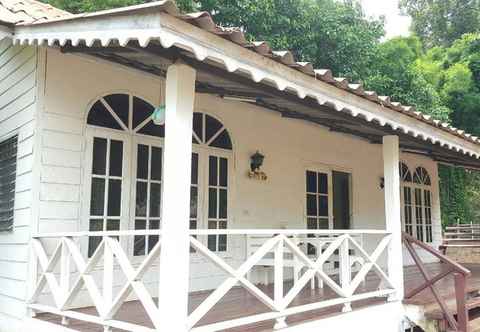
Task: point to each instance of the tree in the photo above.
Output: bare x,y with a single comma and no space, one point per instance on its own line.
399,73
331,34
440,22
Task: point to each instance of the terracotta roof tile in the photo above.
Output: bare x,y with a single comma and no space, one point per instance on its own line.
28,11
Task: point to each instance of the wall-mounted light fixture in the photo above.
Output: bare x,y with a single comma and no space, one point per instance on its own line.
158,115
256,162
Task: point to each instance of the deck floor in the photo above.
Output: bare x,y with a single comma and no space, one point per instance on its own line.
239,303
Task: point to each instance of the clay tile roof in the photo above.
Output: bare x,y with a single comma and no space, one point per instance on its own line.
28,11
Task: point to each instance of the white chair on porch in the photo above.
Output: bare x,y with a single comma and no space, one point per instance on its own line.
331,265
267,263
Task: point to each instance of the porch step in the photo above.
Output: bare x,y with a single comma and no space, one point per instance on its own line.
435,313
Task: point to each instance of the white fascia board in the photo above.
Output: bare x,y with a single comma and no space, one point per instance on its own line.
171,31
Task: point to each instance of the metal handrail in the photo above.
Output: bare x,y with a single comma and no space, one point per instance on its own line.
460,274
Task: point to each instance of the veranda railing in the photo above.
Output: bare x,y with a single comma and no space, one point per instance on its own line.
60,256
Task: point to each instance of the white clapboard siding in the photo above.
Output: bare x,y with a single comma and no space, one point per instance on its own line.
18,68
62,141
60,175
61,171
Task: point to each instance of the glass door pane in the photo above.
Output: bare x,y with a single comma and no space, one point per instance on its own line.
419,214
317,208
217,197
106,187
148,196
317,203
427,202
407,210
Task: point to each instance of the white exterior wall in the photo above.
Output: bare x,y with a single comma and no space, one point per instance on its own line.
18,108
290,146
49,197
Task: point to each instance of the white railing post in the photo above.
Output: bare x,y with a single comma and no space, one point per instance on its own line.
175,253
108,262
345,271
278,281
34,277
65,275
392,212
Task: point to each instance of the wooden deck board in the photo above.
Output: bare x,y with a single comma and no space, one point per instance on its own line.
444,286
239,303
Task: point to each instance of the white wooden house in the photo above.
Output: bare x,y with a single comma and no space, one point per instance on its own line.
109,209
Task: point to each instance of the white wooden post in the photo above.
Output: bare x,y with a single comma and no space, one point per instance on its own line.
175,252
392,213
108,262
65,275
345,272
278,282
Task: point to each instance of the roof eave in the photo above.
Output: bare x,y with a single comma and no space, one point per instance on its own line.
122,26
6,30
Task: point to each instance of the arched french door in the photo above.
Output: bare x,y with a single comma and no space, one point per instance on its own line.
124,172
416,197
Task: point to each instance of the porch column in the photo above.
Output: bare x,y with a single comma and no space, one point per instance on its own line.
392,212
175,249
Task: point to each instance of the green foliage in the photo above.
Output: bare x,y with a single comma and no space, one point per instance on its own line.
331,34
80,6
453,195
440,22
399,72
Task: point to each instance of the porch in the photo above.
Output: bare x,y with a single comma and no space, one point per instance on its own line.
310,274
240,303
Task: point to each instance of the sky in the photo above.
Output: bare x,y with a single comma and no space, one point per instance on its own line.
395,24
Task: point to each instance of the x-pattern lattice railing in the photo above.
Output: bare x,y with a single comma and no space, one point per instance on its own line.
110,254
66,273
280,306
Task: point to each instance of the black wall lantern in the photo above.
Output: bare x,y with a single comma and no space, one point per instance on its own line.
256,161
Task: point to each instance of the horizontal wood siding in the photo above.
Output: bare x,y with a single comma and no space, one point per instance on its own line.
18,66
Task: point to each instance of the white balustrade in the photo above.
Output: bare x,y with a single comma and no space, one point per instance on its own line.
285,249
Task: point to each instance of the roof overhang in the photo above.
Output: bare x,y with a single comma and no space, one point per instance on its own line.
148,38
6,32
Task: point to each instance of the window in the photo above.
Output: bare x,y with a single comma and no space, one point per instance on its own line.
217,201
317,203
148,192
210,132
8,173
106,188
128,115
127,172
417,203
317,200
